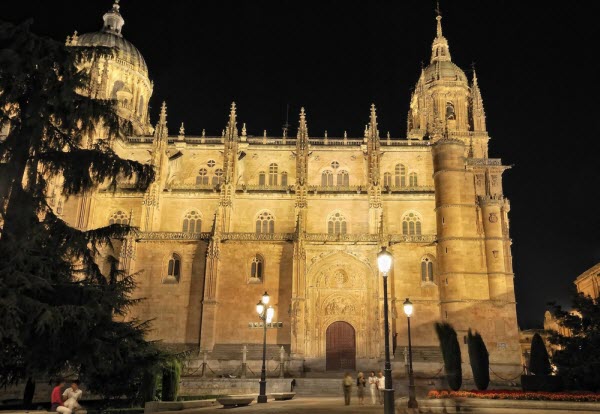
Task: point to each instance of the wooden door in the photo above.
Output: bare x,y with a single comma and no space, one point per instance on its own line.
341,347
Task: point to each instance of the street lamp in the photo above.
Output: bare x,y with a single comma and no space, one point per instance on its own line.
266,315
412,401
384,262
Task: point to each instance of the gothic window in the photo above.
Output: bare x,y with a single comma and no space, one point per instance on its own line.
273,174
174,267
343,179
400,175
335,165
218,177
202,178
141,106
327,179
261,178
265,223
426,269
450,111
336,223
192,222
257,269
387,179
411,224
211,163
412,179
118,217
59,207
284,179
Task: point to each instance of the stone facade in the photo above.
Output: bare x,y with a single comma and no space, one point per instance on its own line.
303,218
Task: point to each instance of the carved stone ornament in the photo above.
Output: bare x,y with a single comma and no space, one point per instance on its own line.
493,217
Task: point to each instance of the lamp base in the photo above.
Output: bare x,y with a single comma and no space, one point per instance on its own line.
262,399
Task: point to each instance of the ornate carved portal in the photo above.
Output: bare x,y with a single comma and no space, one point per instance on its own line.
341,347
342,288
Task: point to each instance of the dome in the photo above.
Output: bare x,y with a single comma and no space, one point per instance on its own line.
444,70
125,49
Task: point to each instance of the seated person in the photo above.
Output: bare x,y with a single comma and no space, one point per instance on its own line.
72,395
56,400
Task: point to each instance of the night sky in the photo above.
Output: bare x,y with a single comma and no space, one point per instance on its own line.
535,64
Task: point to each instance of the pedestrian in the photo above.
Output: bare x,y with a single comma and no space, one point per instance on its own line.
293,385
380,386
360,388
373,387
56,402
347,388
72,395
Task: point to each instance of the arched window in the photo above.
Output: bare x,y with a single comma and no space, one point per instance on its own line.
400,175
284,177
141,105
59,207
265,223
343,178
174,267
192,222
261,178
412,179
426,269
218,177
411,224
257,269
327,179
450,111
118,217
273,174
202,178
336,223
387,179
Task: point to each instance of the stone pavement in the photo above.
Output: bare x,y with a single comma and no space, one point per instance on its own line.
312,405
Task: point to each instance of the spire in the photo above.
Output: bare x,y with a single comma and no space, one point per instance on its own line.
373,145
373,118
440,51
113,21
161,132
303,128
477,109
232,116
302,143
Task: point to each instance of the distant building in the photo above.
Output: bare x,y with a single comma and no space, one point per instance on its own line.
303,217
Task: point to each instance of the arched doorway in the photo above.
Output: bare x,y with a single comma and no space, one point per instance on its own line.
341,347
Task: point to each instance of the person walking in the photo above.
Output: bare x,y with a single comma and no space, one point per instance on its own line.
373,387
360,388
380,386
347,388
56,402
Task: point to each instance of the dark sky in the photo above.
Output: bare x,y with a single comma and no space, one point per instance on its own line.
536,65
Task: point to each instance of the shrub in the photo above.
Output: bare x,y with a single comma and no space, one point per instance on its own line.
170,380
479,359
451,354
539,364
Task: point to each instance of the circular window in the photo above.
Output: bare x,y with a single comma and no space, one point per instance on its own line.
211,163
335,165
202,172
219,172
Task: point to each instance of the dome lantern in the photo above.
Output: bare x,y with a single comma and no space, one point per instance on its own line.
113,21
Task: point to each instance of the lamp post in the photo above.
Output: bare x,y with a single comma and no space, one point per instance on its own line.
412,401
384,262
266,315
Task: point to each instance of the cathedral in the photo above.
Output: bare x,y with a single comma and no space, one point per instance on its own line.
303,217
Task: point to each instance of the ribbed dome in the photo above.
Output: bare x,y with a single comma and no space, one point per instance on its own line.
125,49
444,70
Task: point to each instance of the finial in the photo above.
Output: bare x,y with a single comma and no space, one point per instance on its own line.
163,113
388,135
345,134
113,21
325,133
203,133
265,133
181,130
222,133
244,129
373,120
303,127
474,74
439,19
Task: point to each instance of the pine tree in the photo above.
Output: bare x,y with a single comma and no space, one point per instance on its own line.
577,355
539,363
479,359
451,354
57,309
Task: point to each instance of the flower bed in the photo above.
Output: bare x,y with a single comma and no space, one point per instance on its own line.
517,395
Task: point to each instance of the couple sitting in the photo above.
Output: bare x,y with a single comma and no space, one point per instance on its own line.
68,402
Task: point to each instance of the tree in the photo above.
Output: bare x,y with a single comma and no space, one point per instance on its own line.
577,355
451,354
479,359
57,309
539,363
170,380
